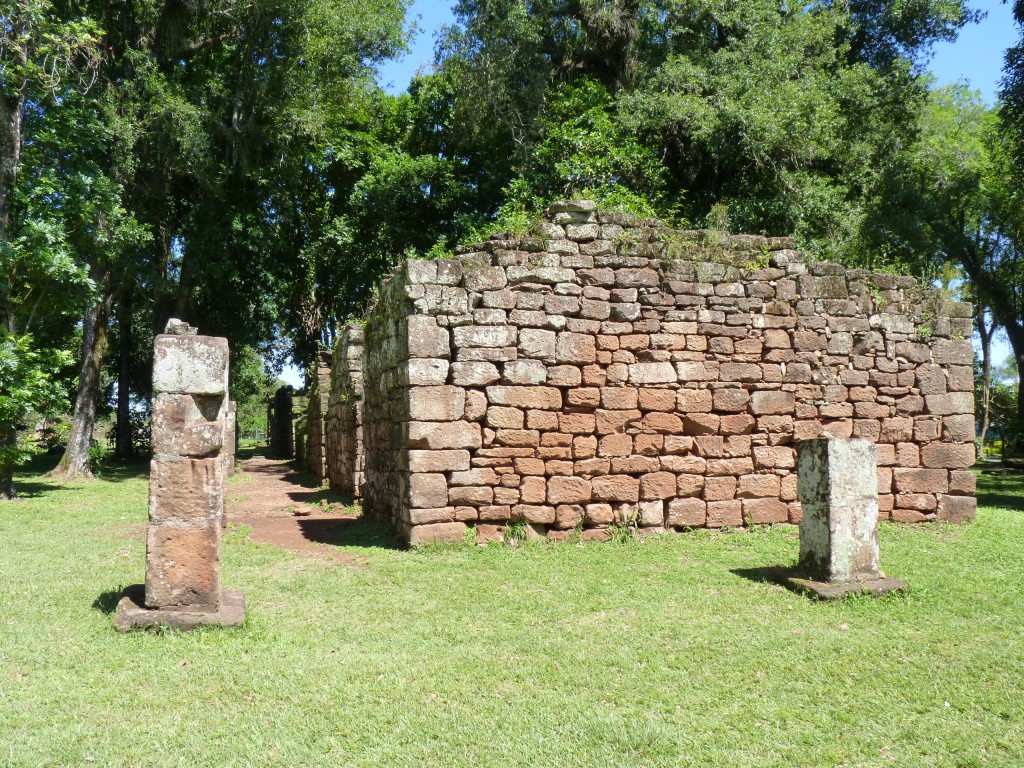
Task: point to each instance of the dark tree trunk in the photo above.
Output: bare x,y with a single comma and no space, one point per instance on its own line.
986,333
8,440
75,462
124,448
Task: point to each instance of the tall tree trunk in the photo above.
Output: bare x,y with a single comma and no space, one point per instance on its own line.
8,440
75,462
123,448
986,333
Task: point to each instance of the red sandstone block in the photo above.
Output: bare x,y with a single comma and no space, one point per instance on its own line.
701,423
782,425
772,403
577,423
557,468
685,401
962,482
657,485
870,411
759,486
518,438
922,502
544,398
584,447
568,516
885,454
634,465
948,455
616,488
842,428
723,513
474,496
183,566
957,509
806,429
599,514
665,423
560,439
438,461
836,410
736,467
719,488
928,429
920,480
575,348
619,398
499,417
615,445
500,512
610,422
568,490
762,511
908,516
884,476
543,420
589,397
560,452
564,376
649,445
428,490
689,513
533,490
745,372
774,457
506,496
710,446
730,400
736,424
529,466
591,467
689,485
868,429
437,533
908,455
787,490
534,513
677,444
958,429
796,512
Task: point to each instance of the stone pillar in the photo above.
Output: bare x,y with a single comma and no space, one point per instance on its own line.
837,483
186,488
230,439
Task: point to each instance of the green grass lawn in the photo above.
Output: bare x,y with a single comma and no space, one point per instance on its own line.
652,653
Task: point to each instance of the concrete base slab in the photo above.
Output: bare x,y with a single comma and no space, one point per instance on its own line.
837,590
132,613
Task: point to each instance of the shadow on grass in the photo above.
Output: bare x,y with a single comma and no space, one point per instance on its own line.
1001,489
107,601
771,574
349,532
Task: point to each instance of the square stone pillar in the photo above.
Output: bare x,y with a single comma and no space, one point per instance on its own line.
837,483
186,487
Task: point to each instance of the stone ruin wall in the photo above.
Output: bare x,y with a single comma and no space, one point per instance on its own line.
612,371
316,414
343,429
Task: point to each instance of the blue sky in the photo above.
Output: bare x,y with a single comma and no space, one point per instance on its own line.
976,56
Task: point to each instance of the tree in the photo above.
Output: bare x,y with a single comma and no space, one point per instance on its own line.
26,383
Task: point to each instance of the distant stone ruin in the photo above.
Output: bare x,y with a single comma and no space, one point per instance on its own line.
610,371
191,434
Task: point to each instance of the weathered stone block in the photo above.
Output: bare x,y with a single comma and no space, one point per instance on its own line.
838,489
188,425
442,403
190,365
183,567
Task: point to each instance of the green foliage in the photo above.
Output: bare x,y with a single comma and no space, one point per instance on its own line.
26,384
252,387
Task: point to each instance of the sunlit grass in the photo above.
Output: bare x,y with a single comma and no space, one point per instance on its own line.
654,653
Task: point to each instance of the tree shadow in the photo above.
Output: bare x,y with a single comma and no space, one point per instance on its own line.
349,532
107,601
1001,489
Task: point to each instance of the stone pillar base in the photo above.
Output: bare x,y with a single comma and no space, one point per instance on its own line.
132,612
837,590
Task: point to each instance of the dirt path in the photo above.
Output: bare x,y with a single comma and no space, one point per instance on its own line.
265,493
